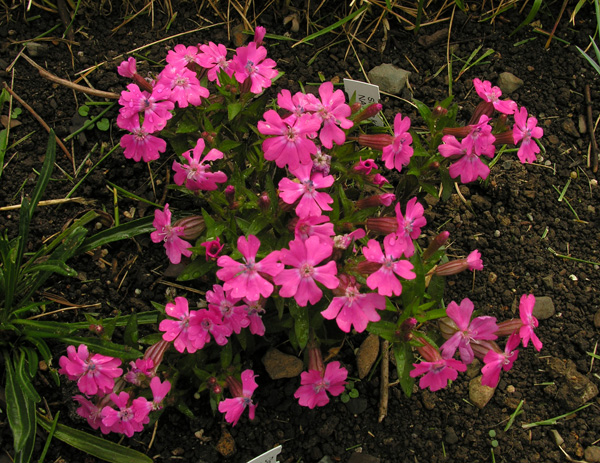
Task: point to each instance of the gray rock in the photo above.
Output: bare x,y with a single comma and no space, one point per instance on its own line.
367,355
543,308
569,128
592,454
548,281
280,365
389,78
326,459
509,83
479,394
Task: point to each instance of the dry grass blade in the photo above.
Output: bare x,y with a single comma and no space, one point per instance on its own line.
53,202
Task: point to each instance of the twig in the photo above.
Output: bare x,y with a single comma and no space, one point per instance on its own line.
52,202
67,83
593,162
40,120
562,10
385,379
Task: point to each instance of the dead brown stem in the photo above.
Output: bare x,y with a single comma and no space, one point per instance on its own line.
593,162
67,83
385,379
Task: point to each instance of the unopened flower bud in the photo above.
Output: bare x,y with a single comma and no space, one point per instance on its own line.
367,113
483,108
217,389
193,226
379,180
382,225
211,381
439,111
97,329
230,194
315,359
264,201
435,244
355,107
471,262
385,199
259,35
435,165
377,141
406,329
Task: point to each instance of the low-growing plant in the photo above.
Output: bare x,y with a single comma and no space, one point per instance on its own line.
290,223
24,337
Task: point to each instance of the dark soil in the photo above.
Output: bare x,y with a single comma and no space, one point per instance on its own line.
514,219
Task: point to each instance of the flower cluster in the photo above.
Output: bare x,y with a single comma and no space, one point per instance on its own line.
295,218
478,139
475,337
114,407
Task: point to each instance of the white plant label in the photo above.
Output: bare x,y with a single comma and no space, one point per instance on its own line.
365,95
268,457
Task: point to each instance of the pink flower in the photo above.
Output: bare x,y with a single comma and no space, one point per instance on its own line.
314,226
127,69
159,392
213,248
467,331
497,361
316,384
196,174
492,95
203,324
250,62
365,166
139,371
299,281
242,397
291,147
526,333
140,144
254,309
224,304
384,279
91,412
214,58
184,86
480,138
333,111
524,131
244,279
129,419
436,370
259,35
171,235
178,330
181,56
409,228
312,202
398,154
353,308
469,166
93,373
156,113
298,104
379,180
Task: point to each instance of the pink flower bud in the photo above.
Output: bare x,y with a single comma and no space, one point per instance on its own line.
315,359
368,112
439,111
259,35
436,244
385,199
382,225
211,381
217,389
379,180
97,329
264,201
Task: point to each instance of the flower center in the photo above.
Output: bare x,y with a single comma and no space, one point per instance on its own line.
306,270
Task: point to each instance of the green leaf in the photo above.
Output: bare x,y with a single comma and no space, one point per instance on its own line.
52,266
233,110
404,360
196,269
226,355
530,16
20,410
83,110
130,336
301,322
100,346
121,232
383,329
45,173
95,446
103,124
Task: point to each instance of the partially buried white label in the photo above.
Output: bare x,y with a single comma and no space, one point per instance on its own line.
365,95
268,457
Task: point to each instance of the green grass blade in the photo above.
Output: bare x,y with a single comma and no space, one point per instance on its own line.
95,446
3,145
532,13
122,232
45,173
332,27
590,60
